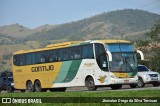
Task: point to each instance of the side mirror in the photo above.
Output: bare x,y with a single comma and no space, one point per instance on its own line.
141,54
109,55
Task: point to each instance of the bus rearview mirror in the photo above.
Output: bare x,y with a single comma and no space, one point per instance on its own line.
141,54
109,55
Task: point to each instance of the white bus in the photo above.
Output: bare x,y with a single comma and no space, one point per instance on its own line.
78,63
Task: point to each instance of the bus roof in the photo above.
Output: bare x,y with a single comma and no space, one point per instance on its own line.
71,43
111,41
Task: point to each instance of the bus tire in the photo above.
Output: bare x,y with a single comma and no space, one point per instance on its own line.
140,82
29,86
38,87
90,84
116,86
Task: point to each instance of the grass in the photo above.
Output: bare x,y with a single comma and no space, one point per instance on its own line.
135,93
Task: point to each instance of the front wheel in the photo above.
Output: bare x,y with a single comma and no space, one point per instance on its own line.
140,82
117,86
90,84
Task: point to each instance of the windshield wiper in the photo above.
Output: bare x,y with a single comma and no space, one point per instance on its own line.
126,61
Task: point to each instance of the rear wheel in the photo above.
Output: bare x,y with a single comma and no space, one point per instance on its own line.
156,84
29,86
140,82
133,85
117,86
38,87
90,84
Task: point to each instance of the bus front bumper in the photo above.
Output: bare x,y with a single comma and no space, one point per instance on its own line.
124,81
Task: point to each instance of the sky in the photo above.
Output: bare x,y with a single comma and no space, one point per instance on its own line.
34,13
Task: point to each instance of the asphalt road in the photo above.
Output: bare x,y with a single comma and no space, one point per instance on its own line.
103,89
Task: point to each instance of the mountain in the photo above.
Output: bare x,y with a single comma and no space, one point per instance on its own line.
115,24
14,30
122,24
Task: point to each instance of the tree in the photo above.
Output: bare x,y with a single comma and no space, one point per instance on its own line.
154,35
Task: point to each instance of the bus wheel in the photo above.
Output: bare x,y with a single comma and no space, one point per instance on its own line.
90,84
133,85
38,87
116,86
29,86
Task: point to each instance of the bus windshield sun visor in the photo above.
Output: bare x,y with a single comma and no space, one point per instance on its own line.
109,55
141,54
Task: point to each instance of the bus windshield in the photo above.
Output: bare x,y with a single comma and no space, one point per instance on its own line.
123,58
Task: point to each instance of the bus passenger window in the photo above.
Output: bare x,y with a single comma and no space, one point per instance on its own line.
22,60
56,57
50,57
87,52
43,59
74,53
64,54
16,60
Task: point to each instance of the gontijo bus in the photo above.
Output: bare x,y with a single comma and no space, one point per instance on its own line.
78,63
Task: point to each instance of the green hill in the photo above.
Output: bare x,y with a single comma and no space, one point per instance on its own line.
111,24
122,24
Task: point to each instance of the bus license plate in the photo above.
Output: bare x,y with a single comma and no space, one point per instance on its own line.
126,81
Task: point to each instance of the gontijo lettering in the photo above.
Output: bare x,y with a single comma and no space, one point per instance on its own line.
42,68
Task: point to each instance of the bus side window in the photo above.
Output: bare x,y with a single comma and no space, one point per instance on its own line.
31,59
22,60
50,57
74,53
87,52
63,54
43,58
16,60
71,53
77,53
56,57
